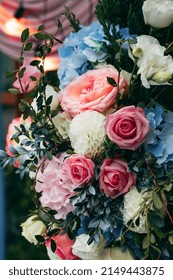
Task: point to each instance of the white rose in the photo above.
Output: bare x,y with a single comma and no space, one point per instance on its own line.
87,252
62,123
96,251
55,98
158,13
32,227
133,209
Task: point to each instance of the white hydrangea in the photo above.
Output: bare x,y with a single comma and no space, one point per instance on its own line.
87,133
133,203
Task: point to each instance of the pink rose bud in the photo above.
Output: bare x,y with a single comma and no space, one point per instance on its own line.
79,168
114,178
11,131
127,127
26,82
63,246
92,91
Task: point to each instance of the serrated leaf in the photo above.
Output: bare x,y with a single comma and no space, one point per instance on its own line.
25,35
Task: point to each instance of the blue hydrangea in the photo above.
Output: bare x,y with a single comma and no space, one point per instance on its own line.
81,50
159,140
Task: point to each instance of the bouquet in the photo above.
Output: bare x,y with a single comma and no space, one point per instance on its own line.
98,146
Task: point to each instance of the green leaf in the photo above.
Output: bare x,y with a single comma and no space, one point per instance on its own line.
49,100
49,155
42,36
21,72
155,220
39,238
92,190
28,47
33,78
10,74
13,91
157,201
35,62
41,27
168,187
25,35
53,245
112,82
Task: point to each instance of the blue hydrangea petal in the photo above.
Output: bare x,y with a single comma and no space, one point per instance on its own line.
157,150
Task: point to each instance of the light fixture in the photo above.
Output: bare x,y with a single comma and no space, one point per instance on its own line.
16,15
11,21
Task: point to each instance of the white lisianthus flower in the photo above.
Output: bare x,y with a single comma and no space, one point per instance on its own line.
31,227
96,251
132,212
156,70
154,67
145,46
158,13
87,133
62,123
50,91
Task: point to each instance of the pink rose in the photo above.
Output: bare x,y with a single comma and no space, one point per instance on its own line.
92,91
79,168
63,247
127,127
114,178
11,131
27,84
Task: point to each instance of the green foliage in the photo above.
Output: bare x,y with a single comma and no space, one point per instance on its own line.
72,19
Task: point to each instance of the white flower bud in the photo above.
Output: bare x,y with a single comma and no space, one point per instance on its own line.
32,227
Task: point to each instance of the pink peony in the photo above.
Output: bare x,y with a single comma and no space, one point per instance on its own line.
79,168
114,178
56,186
27,84
92,91
11,131
127,127
63,247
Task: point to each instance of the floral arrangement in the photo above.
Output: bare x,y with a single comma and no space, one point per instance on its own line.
99,147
